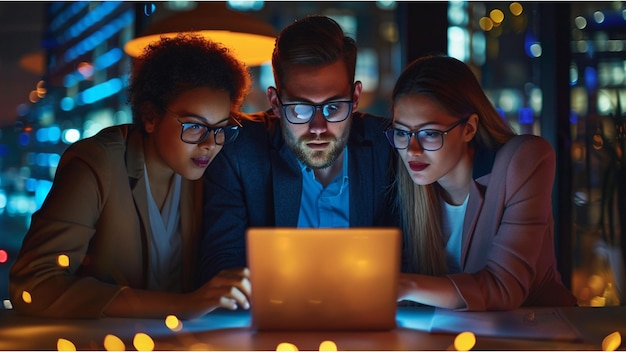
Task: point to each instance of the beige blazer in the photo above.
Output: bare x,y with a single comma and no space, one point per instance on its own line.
96,214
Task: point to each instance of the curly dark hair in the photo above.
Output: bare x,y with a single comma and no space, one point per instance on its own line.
174,65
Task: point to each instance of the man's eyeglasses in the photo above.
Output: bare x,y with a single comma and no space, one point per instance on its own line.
299,113
428,139
196,133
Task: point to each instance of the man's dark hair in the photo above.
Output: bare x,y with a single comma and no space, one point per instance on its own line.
312,41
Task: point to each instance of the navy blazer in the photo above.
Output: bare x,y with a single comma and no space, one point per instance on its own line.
257,182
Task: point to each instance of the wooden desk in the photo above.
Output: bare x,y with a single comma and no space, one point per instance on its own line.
419,328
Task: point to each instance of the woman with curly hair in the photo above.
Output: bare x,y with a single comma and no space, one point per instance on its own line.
474,197
118,233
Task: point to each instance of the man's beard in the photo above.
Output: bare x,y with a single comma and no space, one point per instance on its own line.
317,159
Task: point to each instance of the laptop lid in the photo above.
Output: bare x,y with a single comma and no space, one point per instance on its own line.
323,279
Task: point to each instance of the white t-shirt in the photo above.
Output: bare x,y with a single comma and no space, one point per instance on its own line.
453,217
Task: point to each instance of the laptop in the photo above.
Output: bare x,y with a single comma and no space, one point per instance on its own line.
323,279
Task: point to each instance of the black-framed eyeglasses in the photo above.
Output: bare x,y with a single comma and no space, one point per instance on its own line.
428,139
196,133
299,113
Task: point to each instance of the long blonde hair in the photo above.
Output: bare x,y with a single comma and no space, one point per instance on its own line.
453,85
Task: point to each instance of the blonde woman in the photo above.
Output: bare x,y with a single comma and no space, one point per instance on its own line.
474,197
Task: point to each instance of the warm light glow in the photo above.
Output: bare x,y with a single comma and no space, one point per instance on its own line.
41,89
464,341
252,49
612,342
496,15
113,343
286,346
597,143
63,260
34,62
33,97
250,39
173,323
65,345
4,256
486,24
328,346
200,346
516,8
26,297
143,342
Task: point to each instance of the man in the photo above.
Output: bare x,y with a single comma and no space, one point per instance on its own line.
309,161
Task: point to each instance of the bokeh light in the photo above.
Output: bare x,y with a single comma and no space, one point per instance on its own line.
464,341
143,342
286,346
598,16
113,343
26,297
65,345
173,323
612,341
496,15
516,8
486,24
328,346
580,22
63,260
4,256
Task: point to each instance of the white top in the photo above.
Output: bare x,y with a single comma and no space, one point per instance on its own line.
453,217
165,241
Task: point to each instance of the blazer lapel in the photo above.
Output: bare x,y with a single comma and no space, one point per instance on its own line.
134,166
360,178
190,215
474,206
287,183
484,159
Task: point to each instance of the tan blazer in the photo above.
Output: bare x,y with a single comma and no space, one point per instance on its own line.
507,255
96,213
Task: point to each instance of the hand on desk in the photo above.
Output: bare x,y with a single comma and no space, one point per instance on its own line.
228,289
430,290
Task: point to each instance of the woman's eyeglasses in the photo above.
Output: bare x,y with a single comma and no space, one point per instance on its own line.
428,139
196,133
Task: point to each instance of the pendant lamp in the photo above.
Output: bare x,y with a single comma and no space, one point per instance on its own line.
249,39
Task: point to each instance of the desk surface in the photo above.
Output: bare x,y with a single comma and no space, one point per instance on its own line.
419,328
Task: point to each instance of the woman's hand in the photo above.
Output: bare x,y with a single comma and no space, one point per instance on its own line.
429,290
228,289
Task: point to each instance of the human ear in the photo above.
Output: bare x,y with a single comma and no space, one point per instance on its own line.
358,87
149,116
272,97
471,127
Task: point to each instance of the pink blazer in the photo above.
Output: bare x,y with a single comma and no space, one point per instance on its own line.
507,255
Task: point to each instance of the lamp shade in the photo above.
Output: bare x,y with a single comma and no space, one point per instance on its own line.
249,39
